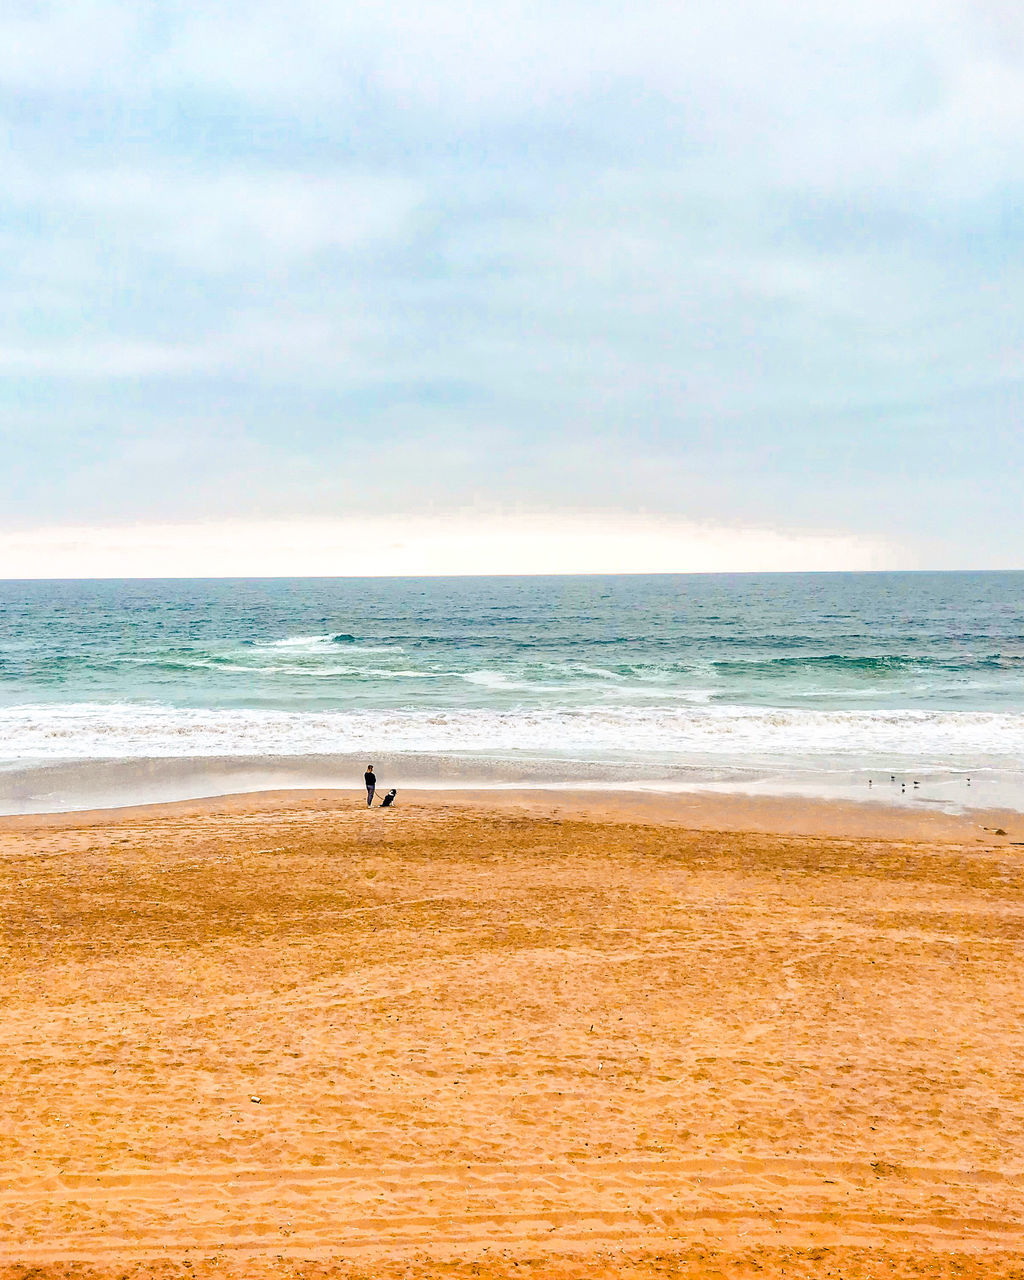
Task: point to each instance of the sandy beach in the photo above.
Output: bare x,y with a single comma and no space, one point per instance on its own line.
516,1033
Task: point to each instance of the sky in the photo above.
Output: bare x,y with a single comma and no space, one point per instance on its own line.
413,287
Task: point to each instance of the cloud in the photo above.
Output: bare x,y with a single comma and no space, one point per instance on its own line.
467,543
222,221
101,360
754,264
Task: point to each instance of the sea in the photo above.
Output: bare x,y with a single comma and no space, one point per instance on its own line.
896,688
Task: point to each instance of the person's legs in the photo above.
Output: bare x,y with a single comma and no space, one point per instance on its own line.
369,796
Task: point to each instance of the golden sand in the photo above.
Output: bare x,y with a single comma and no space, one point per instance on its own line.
519,1035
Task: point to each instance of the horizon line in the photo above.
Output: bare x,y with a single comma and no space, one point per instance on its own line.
428,577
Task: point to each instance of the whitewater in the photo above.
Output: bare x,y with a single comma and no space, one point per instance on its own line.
814,684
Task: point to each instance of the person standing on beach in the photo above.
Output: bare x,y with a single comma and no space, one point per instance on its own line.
370,778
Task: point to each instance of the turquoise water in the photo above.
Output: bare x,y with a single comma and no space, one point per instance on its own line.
799,682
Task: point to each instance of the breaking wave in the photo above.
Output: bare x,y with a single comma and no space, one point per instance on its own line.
742,734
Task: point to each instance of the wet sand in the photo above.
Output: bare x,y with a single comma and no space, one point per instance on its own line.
518,1033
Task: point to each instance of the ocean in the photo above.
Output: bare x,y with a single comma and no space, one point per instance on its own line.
115,692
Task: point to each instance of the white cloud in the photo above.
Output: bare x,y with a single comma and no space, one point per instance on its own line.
755,261
101,360
220,220
469,543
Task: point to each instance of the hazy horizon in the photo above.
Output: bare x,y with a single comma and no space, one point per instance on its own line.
596,573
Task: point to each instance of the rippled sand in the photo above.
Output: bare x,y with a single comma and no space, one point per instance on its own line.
511,1036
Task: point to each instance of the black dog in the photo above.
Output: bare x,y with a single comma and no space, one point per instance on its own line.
389,799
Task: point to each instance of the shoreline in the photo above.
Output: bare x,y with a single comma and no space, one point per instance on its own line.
693,810
32,786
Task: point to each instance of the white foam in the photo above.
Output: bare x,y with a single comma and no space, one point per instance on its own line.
488,679
297,642
316,644
750,736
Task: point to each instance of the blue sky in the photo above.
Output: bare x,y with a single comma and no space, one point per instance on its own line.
753,269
